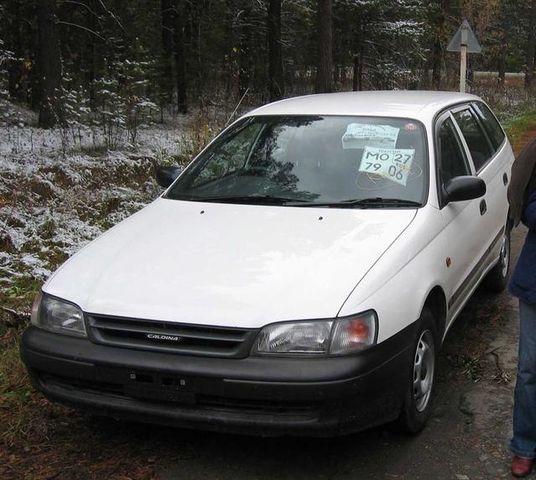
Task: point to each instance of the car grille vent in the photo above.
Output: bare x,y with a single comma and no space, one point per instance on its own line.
171,337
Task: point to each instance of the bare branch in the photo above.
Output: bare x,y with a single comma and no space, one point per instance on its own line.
112,14
63,22
81,4
236,108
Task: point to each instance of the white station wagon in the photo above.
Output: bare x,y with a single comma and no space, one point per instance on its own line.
298,277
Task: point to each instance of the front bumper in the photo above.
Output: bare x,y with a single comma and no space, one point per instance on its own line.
266,395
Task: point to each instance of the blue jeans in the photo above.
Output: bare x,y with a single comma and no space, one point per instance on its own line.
524,441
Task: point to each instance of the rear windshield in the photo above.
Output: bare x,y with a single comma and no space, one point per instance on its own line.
310,159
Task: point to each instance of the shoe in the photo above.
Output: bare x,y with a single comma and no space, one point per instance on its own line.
521,467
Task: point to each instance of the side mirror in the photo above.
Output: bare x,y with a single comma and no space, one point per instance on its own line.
463,188
165,176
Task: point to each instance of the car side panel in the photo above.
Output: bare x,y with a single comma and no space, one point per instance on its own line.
428,254
496,198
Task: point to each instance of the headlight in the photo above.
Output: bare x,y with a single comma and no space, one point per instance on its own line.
299,337
320,337
59,316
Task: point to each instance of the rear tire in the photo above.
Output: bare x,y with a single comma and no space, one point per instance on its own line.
497,278
420,386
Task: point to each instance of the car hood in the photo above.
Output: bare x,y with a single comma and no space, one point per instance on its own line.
228,264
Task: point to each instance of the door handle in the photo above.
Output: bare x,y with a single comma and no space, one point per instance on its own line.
483,207
505,179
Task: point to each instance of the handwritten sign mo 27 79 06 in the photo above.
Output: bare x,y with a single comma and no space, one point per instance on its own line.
391,163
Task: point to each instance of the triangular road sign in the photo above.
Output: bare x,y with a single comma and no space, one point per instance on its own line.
464,35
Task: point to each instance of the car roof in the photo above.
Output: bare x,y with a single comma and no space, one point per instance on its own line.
418,104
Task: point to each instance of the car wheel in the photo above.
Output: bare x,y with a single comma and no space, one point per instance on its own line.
497,277
418,396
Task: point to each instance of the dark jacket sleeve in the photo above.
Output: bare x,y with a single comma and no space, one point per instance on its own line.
529,214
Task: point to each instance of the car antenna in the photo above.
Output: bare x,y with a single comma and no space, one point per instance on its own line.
237,106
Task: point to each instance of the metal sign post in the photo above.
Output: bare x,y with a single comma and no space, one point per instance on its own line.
463,56
464,41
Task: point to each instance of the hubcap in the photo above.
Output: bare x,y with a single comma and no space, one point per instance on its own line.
423,371
505,256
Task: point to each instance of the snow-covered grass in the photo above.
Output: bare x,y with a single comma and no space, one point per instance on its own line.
61,188
508,102
52,204
54,198
21,138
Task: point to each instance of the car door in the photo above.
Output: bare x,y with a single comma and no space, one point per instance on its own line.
503,156
491,165
461,235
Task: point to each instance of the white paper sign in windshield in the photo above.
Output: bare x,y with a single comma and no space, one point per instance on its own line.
361,135
391,163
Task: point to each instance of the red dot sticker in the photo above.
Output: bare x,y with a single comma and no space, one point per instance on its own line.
410,127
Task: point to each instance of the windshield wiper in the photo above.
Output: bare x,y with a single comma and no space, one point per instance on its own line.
248,199
372,202
380,201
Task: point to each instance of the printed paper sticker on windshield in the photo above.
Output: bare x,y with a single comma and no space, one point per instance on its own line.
360,135
391,163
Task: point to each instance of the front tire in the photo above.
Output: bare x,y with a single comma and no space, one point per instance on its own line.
420,386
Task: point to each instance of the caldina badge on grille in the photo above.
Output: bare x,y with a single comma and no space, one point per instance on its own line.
173,337
169,338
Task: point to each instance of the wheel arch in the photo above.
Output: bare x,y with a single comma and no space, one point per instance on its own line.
436,302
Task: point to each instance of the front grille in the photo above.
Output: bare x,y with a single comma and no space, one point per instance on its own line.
171,337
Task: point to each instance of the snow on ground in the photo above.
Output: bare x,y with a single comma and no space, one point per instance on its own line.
57,194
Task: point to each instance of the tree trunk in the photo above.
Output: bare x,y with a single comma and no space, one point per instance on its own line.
531,46
325,47
168,23
357,77
228,57
93,58
244,50
355,72
336,74
360,68
436,64
49,64
501,67
193,12
35,83
15,66
276,85
440,11
180,58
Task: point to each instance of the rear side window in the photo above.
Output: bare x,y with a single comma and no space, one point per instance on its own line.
451,155
492,126
476,139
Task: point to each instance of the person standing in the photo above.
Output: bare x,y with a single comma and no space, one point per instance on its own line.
522,198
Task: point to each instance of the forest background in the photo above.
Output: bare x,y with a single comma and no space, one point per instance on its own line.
116,64
94,94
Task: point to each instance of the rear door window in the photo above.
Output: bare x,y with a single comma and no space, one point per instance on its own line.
476,139
491,124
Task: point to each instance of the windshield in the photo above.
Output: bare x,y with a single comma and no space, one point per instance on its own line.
311,160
